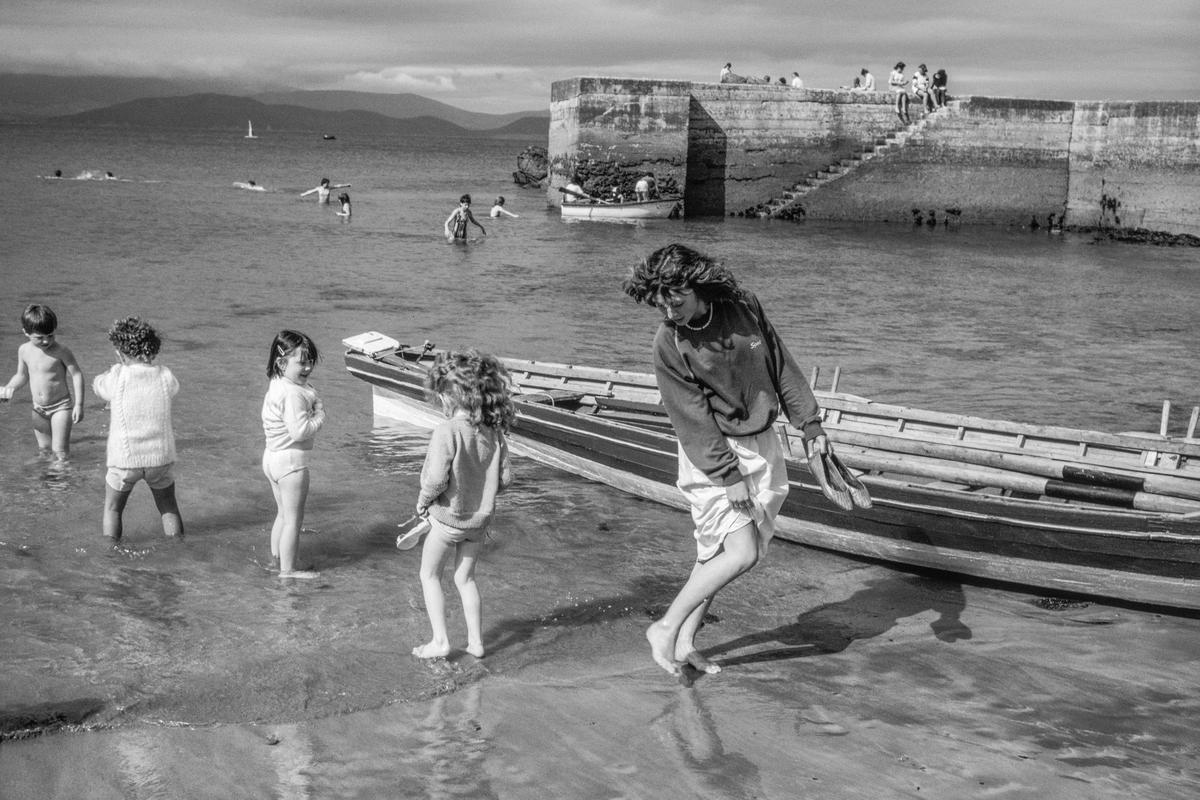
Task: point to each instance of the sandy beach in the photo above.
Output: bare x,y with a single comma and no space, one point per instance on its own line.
843,679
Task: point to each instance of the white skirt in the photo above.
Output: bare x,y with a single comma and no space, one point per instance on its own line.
761,462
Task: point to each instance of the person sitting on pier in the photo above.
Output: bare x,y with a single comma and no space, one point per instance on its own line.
920,84
939,88
796,82
868,80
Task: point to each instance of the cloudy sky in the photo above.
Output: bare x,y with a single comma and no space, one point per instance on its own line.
503,56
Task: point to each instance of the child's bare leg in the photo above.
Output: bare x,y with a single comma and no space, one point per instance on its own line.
43,433
293,493
465,557
60,434
277,524
740,553
114,506
168,509
433,556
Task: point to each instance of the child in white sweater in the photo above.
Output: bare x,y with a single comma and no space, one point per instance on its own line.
291,416
141,439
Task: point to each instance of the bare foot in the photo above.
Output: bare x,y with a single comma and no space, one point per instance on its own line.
300,573
475,649
431,650
661,645
701,663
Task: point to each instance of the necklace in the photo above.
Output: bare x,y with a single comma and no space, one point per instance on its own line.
706,322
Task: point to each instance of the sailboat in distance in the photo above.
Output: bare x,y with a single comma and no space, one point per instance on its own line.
250,130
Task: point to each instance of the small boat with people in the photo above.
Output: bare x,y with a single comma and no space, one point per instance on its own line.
1062,510
582,206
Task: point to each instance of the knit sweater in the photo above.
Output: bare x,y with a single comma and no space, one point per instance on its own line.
140,433
465,468
729,379
291,415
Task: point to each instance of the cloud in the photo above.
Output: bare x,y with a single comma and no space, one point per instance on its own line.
493,56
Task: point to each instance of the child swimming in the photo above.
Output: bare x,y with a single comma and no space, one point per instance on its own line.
291,416
465,468
55,381
141,438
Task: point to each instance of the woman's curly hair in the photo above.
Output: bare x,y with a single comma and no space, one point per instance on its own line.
678,266
475,382
135,339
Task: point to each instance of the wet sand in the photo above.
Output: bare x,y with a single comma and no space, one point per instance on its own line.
842,679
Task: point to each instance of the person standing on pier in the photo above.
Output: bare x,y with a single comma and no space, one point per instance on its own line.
900,86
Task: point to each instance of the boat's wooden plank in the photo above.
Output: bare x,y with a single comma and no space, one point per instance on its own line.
1144,588
887,415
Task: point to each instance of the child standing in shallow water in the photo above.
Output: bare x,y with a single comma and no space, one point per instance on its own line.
53,374
141,439
464,470
456,223
291,416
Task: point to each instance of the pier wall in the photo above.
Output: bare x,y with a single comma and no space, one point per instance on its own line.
1006,161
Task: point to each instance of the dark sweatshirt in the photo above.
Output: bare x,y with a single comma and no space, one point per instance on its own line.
729,379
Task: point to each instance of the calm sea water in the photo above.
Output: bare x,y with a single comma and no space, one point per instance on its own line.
1001,322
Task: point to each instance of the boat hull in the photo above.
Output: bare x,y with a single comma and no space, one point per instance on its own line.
648,209
1062,547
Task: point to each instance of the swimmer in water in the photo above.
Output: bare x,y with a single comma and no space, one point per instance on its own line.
322,190
344,199
498,209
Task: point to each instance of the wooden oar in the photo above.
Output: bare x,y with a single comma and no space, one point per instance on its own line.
960,473
1030,464
580,195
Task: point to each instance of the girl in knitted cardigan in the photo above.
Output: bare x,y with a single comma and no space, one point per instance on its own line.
141,438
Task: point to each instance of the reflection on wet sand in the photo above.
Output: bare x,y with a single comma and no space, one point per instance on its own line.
689,726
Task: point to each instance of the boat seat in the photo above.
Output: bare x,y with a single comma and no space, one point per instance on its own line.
617,404
552,397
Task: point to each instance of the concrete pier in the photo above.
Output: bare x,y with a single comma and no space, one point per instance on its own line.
768,150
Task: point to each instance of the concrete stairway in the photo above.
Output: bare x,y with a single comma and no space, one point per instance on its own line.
789,205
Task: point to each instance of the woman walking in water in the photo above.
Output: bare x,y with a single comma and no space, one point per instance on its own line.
724,374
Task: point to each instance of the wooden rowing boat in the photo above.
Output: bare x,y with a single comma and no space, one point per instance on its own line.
663,208
1063,510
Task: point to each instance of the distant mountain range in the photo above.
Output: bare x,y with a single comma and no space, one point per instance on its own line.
149,102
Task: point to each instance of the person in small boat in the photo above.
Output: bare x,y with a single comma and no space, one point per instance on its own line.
498,209
644,188
456,223
724,375
573,192
323,188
